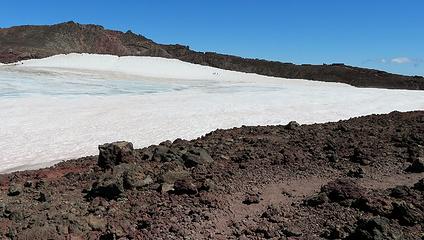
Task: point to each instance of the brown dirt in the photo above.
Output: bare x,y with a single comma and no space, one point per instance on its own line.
343,180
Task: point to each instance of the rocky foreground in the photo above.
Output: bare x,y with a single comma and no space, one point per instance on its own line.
29,42
356,179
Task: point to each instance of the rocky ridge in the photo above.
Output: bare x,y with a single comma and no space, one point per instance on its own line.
29,42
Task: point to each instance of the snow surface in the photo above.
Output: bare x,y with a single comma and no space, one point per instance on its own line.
62,107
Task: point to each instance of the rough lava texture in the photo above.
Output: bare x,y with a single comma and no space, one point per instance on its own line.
343,180
28,42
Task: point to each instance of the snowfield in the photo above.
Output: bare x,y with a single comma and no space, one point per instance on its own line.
62,107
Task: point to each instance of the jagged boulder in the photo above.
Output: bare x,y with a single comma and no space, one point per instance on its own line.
377,228
356,173
342,189
419,185
44,197
360,156
417,166
407,214
195,157
400,191
163,153
316,199
171,173
109,187
292,125
14,190
112,184
112,154
133,176
185,186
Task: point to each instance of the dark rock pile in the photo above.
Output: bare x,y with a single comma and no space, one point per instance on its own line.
273,182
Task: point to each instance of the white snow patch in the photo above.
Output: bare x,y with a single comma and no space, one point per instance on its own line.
142,66
64,106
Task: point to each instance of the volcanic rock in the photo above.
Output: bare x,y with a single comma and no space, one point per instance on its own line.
356,173
184,187
417,166
134,177
163,153
44,197
252,198
292,125
204,200
419,185
377,228
112,154
407,214
342,189
316,200
96,223
108,187
273,214
359,156
400,192
195,157
14,190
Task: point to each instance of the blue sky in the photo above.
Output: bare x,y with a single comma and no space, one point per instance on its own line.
383,34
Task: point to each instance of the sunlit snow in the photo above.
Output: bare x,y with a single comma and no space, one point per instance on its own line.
64,106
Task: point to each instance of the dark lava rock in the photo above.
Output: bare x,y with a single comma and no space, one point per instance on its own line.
134,177
375,205
290,232
195,157
292,125
407,214
108,236
377,228
417,166
209,185
273,214
14,190
342,189
109,188
316,200
163,153
333,157
43,197
28,184
360,157
47,231
143,224
96,223
172,176
414,152
112,154
184,187
356,173
252,198
400,191
419,185
40,184
220,213
335,232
